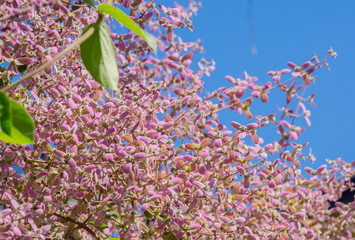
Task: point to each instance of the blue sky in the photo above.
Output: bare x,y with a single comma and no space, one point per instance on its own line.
287,31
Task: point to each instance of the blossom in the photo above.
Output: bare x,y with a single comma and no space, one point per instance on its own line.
276,75
153,160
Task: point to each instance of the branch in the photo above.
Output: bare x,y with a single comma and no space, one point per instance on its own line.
9,16
263,184
80,40
83,226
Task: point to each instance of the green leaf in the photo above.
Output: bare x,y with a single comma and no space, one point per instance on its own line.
100,228
114,213
335,214
4,79
22,68
99,58
148,214
5,121
75,7
169,236
16,125
90,2
129,23
112,238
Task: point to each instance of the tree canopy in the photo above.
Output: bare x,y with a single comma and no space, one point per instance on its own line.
107,132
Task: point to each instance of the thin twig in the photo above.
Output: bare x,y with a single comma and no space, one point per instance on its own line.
80,40
268,90
264,183
83,226
241,101
19,11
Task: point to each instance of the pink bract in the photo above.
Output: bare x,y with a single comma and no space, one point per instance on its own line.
154,160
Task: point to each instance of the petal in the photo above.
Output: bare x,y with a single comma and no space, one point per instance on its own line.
292,65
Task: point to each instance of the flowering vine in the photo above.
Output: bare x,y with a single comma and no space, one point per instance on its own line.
151,159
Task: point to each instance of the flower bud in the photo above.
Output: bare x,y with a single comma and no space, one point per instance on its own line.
72,164
217,143
139,155
126,3
59,153
156,196
272,184
231,80
16,231
292,65
321,168
180,234
90,167
252,126
236,125
306,65
147,16
241,170
311,70
176,181
54,92
285,215
144,207
195,226
262,175
127,168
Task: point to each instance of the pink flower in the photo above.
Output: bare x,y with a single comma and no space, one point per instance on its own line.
306,113
156,196
217,142
297,70
276,75
144,207
72,164
252,126
241,170
180,234
236,125
16,231
108,157
127,168
140,155
272,184
59,153
217,225
195,226
177,181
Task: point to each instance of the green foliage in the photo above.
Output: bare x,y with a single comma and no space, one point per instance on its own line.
129,23
99,58
90,2
22,68
148,214
169,236
100,228
16,124
4,80
5,123
113,238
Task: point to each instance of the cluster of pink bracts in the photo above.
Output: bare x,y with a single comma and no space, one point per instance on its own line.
153,160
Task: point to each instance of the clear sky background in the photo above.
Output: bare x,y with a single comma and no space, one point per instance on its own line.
287,31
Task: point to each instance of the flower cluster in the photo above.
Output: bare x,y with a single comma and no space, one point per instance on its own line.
153,160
